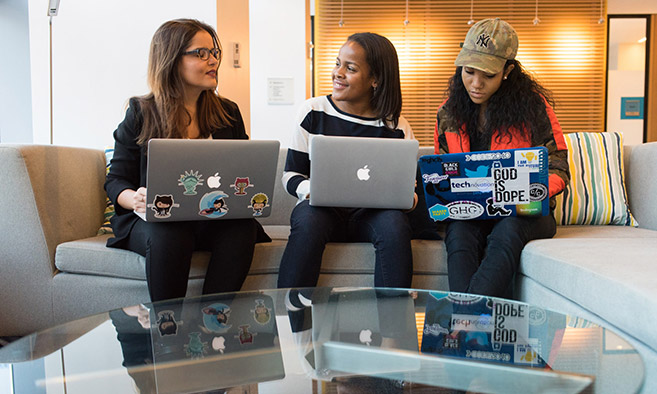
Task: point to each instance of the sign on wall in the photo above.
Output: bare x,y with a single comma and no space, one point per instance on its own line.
631,107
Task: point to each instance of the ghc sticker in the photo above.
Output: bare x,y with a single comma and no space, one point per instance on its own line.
462,210
438,212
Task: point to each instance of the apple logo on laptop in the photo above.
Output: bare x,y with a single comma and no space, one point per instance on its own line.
365,337
214,181
363,174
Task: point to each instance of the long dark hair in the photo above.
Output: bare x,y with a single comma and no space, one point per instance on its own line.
163,109
381,57
518,103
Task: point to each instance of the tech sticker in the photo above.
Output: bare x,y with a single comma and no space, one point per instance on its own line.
451,168
528,159
438,212
464,210
213,204
240,185
162,204
259,201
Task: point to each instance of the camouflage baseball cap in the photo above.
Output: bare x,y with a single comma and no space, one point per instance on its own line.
488,45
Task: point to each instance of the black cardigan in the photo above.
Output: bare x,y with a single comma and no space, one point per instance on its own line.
128,165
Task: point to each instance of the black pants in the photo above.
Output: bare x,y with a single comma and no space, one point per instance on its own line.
312,227
483,255
168,248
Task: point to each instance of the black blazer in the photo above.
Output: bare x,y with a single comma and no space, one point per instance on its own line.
128,165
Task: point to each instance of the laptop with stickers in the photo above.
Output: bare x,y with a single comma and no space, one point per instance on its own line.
360,172
209,179
486,185
215,341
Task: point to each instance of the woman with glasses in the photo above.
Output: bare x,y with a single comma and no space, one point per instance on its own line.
495,104
183,103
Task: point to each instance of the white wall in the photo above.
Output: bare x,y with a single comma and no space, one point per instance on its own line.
631,7
100,55
278,50
15,98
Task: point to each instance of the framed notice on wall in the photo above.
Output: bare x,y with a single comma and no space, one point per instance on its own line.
631,107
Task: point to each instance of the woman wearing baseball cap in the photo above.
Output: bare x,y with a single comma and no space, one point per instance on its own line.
493,103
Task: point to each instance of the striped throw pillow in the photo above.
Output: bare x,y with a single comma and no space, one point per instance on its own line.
596,192
105,228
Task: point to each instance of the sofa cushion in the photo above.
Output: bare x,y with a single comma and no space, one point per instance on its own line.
90,256
611,232
596,193
612,277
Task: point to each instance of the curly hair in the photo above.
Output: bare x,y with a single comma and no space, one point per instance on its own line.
518,104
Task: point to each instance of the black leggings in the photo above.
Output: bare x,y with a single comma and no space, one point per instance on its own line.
168,248
483,255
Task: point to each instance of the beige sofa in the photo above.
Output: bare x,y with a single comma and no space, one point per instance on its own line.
53,267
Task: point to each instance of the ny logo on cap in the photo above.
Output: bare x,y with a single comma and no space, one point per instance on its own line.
483,40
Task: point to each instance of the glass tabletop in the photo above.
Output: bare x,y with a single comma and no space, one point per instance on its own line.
324,340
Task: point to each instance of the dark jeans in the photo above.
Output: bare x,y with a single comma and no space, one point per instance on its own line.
483,255
168,248
312,227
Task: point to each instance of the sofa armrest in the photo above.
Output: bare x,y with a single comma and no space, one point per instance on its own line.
640,170
50,195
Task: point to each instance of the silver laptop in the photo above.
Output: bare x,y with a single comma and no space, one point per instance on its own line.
209,179
359,172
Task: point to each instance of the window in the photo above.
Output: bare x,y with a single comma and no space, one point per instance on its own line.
565,51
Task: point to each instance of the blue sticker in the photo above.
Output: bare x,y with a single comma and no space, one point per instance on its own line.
215,318
213,204
438,212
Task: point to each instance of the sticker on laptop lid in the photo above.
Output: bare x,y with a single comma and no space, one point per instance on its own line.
537,192
511,185
493,209
240,185
190,180
244,335
215,318
162,204
195,348
464,210
528,159
259,202
213,204
434,178
261,313
166,323
438,212
451,168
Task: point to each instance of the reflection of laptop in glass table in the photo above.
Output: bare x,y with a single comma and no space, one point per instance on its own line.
360,172
209,179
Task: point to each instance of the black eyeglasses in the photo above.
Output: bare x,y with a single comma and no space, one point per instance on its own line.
204,53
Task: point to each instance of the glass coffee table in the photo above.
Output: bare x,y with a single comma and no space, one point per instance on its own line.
324,340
